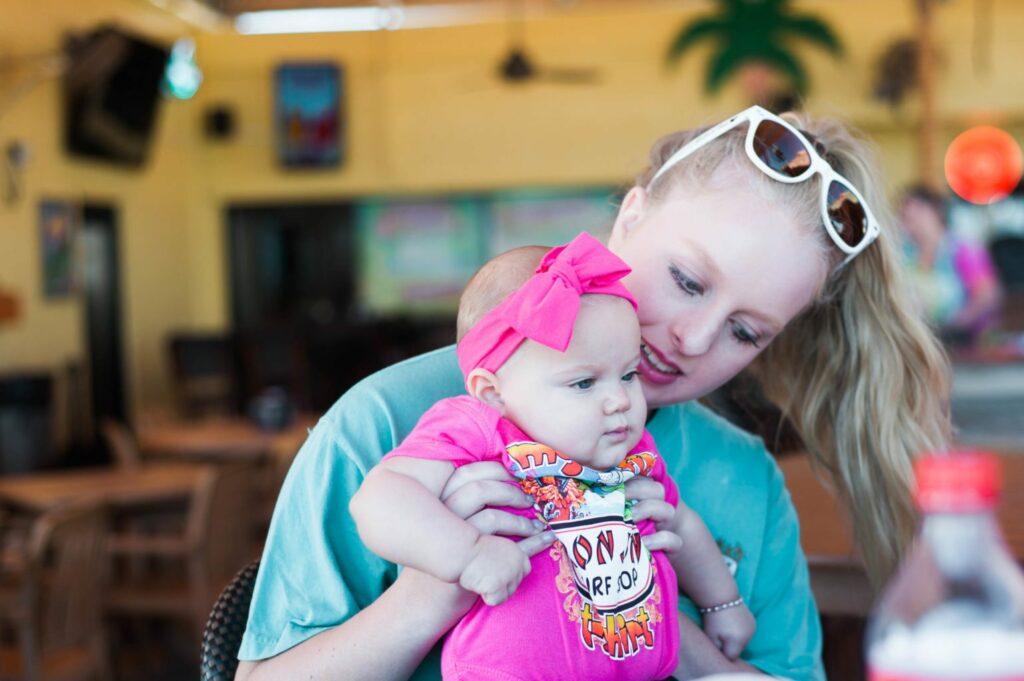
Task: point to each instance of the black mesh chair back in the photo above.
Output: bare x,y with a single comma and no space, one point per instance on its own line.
223,635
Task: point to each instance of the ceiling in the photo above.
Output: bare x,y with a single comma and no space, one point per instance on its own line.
233,7
39,26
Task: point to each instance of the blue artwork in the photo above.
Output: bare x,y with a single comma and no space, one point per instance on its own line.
57,221
308,115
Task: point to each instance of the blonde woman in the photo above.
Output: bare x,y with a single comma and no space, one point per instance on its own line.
762,242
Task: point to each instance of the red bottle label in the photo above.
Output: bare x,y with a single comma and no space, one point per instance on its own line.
879,675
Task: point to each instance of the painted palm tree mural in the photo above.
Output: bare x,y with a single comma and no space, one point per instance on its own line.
752,39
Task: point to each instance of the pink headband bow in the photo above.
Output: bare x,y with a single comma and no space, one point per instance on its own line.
544,309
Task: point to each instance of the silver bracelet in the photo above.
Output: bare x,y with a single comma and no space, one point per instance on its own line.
721,606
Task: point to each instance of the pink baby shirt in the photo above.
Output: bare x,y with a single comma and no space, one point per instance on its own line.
596,605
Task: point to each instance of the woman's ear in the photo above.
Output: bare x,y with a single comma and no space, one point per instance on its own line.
484,386
630,213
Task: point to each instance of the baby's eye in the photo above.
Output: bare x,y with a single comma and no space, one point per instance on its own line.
583,384
629,377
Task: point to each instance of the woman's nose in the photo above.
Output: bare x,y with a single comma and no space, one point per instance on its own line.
617,400
693,335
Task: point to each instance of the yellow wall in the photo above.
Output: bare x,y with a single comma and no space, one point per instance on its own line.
153,214
425,113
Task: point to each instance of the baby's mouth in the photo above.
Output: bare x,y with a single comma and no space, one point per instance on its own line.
618,434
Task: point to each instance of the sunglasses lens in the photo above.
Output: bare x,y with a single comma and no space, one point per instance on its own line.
781,150
846,213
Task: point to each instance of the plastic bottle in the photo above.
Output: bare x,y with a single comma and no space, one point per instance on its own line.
955,608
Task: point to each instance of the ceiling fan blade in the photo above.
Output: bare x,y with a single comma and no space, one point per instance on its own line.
569,75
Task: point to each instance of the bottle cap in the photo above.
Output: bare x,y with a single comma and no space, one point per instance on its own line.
958,481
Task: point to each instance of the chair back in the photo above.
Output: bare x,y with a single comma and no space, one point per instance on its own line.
121,443
205,370
220,529
222,636
65,570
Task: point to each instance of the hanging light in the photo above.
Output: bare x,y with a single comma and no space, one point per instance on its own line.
182,77
983,164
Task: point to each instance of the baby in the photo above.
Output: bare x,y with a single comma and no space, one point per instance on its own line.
553,395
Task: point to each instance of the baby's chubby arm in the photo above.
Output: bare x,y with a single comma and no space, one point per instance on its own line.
401,518
704,577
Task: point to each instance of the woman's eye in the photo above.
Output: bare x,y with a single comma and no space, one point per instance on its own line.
629,377
744,336
690,287
584,384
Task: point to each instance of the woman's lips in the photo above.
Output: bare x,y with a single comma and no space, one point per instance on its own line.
655,368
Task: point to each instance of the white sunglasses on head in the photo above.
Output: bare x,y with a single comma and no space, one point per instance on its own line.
783,153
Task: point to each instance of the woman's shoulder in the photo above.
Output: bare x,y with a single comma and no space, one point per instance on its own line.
374,416
407,388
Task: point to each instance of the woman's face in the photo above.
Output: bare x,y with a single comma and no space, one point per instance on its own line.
718,273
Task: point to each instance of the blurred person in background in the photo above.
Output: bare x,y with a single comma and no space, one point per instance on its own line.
954,278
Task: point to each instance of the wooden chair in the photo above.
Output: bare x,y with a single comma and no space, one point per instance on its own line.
14,535
190,566
205,370
53,600
121,443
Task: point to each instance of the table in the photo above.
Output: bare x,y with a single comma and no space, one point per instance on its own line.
839,583
222,439
150,484
987,403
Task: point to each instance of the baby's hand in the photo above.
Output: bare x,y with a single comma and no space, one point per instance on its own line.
730,629
495,570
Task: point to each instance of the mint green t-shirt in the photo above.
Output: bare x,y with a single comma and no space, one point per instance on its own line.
316,573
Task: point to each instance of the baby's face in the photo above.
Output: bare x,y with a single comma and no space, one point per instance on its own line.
586,402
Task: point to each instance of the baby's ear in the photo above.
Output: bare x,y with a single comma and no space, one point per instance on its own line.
484,386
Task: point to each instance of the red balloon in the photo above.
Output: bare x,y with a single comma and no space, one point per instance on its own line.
983,164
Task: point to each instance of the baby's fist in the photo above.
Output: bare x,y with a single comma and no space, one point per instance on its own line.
496,569
730,629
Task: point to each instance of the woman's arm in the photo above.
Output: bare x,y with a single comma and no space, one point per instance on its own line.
984,294
698,656
386,640
392,635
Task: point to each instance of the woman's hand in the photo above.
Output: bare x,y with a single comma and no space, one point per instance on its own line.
649,496
474,488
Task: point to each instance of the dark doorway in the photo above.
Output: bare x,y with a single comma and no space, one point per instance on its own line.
292,293
101,291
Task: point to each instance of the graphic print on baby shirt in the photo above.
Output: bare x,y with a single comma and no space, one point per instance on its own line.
612,571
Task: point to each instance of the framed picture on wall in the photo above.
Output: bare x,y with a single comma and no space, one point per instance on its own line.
308,114
58,222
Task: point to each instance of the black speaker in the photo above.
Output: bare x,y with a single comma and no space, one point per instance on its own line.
219,122
111,95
